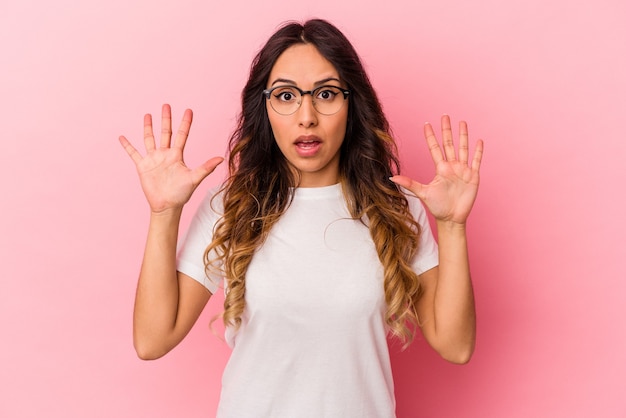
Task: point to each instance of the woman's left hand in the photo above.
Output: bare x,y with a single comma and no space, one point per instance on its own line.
451,194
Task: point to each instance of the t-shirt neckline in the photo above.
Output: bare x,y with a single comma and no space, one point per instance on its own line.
322,192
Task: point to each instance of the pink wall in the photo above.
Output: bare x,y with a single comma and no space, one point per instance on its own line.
542,82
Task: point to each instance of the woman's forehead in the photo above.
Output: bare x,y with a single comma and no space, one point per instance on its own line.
302,64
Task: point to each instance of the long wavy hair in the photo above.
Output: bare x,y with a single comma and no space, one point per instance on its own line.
257,191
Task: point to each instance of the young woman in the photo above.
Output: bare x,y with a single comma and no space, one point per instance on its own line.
322,248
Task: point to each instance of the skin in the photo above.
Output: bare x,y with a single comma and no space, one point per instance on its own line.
168,303
446,309
303,66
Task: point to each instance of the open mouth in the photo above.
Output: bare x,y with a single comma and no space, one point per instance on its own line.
307,144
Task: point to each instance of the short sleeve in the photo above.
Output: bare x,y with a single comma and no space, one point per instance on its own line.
190,260
427,255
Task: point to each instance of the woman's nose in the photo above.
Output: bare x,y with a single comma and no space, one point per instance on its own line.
307,115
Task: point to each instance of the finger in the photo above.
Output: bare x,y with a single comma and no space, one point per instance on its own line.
447,140
205,169
130,150
478,155
166,126
408,183
463,142
148,136
183,130
433,145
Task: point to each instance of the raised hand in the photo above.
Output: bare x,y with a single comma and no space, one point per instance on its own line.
451,194
165,179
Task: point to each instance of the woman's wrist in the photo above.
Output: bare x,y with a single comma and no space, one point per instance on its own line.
166,218
451,226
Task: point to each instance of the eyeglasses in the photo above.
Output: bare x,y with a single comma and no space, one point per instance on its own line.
286,100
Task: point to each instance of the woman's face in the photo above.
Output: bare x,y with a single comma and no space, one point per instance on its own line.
309,140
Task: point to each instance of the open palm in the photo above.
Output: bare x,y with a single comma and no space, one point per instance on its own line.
165,179
451,194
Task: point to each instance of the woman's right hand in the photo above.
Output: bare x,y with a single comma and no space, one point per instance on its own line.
165,179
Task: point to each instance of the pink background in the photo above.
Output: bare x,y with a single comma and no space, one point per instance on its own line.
543,82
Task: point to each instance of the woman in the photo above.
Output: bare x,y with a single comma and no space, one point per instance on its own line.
321,251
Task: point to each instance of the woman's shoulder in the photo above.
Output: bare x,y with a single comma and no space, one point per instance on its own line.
212,204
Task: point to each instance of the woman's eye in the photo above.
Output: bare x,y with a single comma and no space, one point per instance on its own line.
285,96
326,94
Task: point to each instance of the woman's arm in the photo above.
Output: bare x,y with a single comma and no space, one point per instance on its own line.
167,302
446,308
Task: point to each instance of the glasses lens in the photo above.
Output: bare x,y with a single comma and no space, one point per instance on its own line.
328,99
285,100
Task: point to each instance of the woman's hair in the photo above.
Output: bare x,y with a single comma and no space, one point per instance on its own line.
257,191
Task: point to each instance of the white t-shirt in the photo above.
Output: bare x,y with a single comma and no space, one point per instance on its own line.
313,338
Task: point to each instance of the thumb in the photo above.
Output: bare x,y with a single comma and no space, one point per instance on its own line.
205,169
416,188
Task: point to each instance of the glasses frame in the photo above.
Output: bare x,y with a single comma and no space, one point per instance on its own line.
268,95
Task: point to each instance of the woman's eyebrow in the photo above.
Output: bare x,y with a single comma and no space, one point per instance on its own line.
317,83
284,80
326,80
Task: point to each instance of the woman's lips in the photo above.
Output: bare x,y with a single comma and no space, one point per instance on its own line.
307,146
